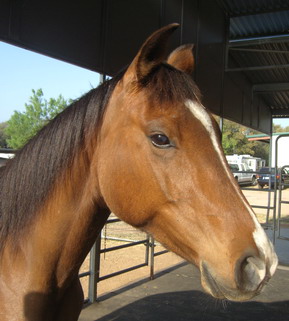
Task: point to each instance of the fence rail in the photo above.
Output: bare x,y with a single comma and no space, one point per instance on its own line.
7,151
95,256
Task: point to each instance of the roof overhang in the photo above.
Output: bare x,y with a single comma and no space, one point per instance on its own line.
241,48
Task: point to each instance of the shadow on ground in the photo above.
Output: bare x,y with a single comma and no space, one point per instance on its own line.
177,295
197,306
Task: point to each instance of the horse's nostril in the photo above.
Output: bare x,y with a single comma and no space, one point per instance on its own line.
250,273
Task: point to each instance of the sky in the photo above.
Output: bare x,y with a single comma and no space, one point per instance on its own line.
22,70
284,122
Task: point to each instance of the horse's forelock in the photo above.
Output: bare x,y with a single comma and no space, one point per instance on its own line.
167,84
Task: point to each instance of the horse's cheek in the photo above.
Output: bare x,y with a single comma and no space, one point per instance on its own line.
113,184
128,190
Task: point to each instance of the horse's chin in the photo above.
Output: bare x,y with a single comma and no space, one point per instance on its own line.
219,290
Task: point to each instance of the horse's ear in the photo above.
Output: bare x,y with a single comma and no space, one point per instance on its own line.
182,58
151,54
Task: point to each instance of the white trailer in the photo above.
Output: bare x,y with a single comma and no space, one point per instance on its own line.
4,158
244,167
250,162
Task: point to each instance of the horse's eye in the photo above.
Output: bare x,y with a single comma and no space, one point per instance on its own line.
160,141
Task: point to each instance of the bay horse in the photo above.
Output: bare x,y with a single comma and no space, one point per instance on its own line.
143,146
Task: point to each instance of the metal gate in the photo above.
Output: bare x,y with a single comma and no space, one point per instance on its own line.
281,228
277,210
282,184
97,250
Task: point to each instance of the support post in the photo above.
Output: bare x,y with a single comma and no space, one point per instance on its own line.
94,270
152,258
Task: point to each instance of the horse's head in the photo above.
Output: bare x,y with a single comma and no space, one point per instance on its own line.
161,168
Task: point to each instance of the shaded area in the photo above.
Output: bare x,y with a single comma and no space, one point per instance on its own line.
281,245
195,305
178,295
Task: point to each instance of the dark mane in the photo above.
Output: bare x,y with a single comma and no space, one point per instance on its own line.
28,178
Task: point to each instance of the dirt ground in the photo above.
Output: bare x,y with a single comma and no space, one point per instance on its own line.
263,198
125,258
121,259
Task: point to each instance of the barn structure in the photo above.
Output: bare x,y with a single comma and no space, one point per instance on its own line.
241,47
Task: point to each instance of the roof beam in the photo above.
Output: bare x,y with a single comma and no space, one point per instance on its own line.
261,11
258,40
256,68
270,87
259,50
280,112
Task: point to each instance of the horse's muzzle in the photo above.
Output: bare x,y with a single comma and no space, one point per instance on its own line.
251,275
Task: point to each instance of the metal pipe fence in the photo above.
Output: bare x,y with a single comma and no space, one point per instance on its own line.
153,254
8,151
268,206
276,219
281,202
95,258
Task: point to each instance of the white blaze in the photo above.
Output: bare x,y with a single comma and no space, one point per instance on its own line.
202,115
262,242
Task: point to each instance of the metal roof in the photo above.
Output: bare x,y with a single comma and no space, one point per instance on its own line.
241,46
248,7
258,46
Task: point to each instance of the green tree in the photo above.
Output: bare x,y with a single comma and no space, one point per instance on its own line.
3,135
277,128
38,112
262,150
234,141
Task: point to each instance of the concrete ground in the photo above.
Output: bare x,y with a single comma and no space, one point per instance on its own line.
281,245
177,295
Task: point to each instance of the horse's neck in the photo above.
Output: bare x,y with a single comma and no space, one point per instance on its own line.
76,217
64,231
77,234
48,259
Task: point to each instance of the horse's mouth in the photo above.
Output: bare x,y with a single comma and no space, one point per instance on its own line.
219,291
